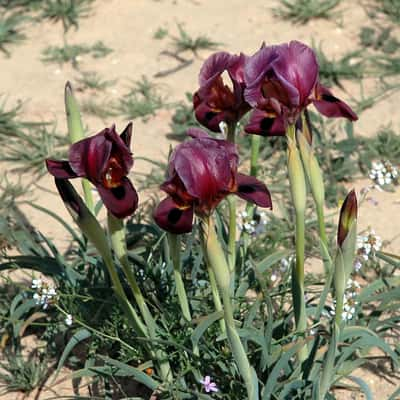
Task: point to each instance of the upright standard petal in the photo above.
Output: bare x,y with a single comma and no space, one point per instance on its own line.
253,190
89,157
172,218
296,67
121,200
330,106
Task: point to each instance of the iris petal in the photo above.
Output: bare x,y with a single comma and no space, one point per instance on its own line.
261,123
253,190
172,218
122,200
60,169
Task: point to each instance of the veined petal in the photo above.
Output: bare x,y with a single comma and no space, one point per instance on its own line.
261,123
197,133
297,69
60,169
89,157
253,190
330,106
208,116
173,219
122,200
120,146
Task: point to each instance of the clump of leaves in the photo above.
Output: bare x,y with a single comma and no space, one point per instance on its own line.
93,81
67,12
142,100
20,374
349,66
302,11
182,119
382,39
160,33
10,30
391,8
71,53
185,42
99,109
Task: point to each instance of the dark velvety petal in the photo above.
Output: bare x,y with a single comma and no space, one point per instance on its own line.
236,69
206,167
89,157
261,123
122,200
126,135
214,66
253,190
255,70
197,133
209,117
330,106
173,219
296,67
120,150
60,169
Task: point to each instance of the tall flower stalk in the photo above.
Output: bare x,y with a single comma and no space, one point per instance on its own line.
218,263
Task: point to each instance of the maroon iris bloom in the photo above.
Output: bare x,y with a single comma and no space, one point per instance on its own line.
281,81
215,101
201,173
105,160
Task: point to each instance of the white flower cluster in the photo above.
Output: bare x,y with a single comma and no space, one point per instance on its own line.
255,225
68,320
45,294
384,173
349,301
367,245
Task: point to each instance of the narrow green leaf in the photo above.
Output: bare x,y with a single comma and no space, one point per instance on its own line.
204,325
272,259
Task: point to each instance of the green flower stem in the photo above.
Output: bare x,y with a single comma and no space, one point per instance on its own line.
118,240
232,217
219,265
326,258
255,152
175,251
76,133
298,191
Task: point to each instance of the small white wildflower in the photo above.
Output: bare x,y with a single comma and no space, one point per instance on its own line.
36,283
274,277
208,385
68,320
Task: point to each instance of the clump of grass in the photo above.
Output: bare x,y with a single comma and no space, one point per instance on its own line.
381,40
71,53
302,11
142,100
93,81
21,374
349,66
160,33
98,109
391,8
10,30
185,42
68,12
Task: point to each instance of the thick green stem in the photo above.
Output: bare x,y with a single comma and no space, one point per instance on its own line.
175,251
255,152
326,258
215,294
298,191
219,265
118,240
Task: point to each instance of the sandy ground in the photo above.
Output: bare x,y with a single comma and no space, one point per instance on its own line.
128,27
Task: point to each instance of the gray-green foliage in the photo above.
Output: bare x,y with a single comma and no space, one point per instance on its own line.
302,11
10,30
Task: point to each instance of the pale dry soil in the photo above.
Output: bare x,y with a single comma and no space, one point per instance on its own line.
128,28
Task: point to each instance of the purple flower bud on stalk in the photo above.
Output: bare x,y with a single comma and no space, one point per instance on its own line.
201,173
348,215
105,160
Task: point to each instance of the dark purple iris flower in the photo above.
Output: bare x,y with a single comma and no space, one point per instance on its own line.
215,101
105,160
281,81
201,173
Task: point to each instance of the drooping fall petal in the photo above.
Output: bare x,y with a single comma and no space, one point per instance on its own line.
121,200
253,190
60,169
262,123
173,219
330,106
